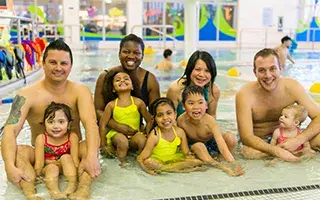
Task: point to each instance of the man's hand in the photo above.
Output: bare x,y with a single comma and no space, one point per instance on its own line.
15,175
285,155
91,165
291,144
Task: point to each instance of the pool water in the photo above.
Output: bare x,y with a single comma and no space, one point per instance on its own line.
133,183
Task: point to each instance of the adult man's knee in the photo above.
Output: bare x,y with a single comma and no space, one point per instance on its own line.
231,140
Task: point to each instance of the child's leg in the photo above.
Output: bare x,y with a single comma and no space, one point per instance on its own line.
138,141
122,145
202,153
250,153
231,140
51,174
24,161
84,179
184,166
69,171
200,150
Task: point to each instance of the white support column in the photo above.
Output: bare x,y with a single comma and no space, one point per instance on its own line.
134,16
191,30
71,20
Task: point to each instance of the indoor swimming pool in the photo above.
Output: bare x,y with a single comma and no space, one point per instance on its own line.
131,183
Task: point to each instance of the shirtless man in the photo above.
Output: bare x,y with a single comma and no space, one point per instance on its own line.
283,51
165,64
259,105
30,103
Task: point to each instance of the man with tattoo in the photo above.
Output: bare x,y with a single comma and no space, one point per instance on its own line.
30,103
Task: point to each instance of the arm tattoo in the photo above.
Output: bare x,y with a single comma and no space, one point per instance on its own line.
15,112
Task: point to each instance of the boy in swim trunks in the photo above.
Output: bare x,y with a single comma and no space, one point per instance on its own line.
202,130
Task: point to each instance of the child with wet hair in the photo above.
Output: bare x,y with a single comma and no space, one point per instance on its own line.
56,150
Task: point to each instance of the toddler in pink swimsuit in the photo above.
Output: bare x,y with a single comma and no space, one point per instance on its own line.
56,150
290,120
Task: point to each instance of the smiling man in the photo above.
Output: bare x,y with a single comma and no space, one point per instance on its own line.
30,104
259,105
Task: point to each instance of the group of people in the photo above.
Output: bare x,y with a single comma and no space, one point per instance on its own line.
176,133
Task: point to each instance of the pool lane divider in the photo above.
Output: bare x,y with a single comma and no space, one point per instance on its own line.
247,193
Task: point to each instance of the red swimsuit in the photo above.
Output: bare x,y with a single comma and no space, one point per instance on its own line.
282,138
53,152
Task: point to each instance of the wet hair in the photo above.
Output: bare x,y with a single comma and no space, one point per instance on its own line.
167,53
207,58
50,112
132,38
154,105
193,89
265,53
300,112
108,89
285,38
57,45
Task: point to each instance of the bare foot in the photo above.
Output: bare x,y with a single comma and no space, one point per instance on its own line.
232,169
122,164
71,187
250,153
34,197
109,151
82,193
58,196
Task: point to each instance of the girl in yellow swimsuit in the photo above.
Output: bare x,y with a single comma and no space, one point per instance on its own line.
167,147
124,109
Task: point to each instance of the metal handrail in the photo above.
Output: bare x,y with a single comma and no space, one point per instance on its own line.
268,33
162,33
55,28
19,25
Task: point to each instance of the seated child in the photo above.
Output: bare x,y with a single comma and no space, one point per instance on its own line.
203,132
57,149
124,109
290,120
161,151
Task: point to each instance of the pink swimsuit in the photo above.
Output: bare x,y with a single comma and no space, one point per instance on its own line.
53,152
282,138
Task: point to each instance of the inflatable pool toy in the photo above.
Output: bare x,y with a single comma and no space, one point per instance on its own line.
315,88
233,72
6,101
183,63
149,50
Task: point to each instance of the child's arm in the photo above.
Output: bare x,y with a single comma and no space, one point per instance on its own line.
74,150
145,114
184,142
143,110
103,123
39,154
275,136
222,146
146,152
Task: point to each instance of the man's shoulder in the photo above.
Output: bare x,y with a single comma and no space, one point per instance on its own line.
31,89
248,87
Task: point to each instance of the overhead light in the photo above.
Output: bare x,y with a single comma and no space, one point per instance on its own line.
107,1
